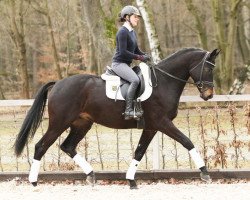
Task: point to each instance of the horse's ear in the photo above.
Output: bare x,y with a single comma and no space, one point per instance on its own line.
214,53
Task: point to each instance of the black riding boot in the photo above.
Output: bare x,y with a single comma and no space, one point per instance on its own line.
129,110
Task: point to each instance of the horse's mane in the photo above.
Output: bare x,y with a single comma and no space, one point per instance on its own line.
178,53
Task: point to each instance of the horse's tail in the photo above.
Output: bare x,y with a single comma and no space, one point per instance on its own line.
33,118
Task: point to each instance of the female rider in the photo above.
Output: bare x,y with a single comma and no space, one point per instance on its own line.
127,50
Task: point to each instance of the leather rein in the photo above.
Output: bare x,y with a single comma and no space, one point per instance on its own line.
199,83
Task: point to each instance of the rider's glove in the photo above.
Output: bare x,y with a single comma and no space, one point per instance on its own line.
144,58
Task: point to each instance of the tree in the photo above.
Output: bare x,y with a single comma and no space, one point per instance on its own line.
200,23
100,27
226,37
243,33
46,13
151,32
18,37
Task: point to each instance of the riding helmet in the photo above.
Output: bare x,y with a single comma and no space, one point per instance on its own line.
129,10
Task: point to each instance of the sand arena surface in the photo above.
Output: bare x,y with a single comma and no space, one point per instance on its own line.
154,191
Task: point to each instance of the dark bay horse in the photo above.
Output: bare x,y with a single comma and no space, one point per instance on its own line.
78,101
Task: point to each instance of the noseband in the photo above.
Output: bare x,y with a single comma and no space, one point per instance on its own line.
200,84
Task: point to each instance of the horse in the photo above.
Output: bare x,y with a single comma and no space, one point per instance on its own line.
78,101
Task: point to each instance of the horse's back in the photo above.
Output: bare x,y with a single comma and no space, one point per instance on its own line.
71,91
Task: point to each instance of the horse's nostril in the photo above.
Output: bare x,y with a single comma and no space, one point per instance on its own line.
210,96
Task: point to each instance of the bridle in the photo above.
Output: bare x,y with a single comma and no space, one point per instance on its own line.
200,83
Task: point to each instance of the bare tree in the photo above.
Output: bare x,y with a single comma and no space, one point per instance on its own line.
98,30
200,23
226,37
151,31
18,37
45,11
243,33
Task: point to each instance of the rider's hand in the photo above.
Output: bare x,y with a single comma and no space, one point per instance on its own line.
147,58
144,58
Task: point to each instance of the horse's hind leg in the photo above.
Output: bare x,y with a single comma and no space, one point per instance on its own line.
77,132
146,138
40,149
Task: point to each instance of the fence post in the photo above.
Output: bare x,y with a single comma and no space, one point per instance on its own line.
156,151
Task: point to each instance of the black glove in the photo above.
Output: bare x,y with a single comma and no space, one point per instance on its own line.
144,58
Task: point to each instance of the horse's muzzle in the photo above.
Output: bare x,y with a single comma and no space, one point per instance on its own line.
207,94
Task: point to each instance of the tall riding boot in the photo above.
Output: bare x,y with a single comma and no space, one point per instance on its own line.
138,109
129,110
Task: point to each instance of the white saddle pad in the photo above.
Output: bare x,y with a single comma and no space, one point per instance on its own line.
113,85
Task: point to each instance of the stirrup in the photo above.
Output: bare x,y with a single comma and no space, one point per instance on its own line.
128,116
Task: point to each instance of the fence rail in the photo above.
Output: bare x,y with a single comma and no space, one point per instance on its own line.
183,99
152,175
220,128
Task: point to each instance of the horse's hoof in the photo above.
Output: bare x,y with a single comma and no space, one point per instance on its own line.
91,179
132,184
34,184
205,177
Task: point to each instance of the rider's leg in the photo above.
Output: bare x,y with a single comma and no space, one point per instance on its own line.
125,72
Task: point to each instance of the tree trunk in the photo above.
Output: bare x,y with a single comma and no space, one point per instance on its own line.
53,43
96,26
239,84
82,35
18,37
200,23
243,34
151,32
226,35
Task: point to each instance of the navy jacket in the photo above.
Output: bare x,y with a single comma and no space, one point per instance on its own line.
126,46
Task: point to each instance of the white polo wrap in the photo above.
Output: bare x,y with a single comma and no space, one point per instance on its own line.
86,167
198,161
34,170
132,169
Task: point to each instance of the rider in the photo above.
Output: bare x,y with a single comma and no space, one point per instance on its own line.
127,50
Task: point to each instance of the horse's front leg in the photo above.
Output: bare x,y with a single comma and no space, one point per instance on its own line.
146,138
168,128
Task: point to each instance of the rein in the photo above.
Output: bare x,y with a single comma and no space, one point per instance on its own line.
199,83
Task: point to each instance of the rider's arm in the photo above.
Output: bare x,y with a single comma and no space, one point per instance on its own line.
122,42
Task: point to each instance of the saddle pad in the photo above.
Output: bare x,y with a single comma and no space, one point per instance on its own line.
113,84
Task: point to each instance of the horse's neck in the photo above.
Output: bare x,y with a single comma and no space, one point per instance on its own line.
169,85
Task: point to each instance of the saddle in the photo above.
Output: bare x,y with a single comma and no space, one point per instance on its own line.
116,87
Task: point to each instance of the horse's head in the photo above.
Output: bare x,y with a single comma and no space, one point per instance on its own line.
202,74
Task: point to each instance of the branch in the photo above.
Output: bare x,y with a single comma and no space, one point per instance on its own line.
38,8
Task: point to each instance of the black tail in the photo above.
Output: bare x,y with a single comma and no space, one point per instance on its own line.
33,118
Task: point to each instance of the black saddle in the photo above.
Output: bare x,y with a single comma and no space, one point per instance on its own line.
125,84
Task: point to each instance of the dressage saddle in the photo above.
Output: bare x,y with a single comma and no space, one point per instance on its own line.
125,84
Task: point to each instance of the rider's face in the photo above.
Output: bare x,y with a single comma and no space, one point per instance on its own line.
134,19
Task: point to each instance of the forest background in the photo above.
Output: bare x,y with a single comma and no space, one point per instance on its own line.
43,40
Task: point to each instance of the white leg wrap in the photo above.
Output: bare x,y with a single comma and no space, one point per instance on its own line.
86,167
34,170
132,169
195,155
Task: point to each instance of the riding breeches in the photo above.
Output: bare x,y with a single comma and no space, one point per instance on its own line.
125,72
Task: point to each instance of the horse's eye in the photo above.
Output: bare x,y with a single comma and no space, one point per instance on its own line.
208,70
